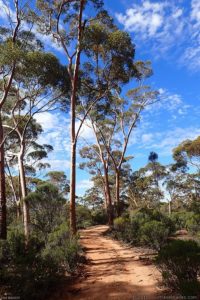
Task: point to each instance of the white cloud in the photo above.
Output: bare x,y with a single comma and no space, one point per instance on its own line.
195,12
191,56
154,20
169,102
146,18
165,26
147,137
84,184
58,164
86,131
6,12
47,120
164,142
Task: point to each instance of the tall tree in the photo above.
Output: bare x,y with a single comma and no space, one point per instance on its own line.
97,166
39,85
187,153
114,121
59,179
108,54
11,54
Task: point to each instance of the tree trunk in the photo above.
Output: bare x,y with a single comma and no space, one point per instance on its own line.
106,197
109,200
73,187
3,215
117,186
170,207
18,210
25,207
74,84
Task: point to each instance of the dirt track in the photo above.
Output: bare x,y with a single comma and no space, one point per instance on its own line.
113,271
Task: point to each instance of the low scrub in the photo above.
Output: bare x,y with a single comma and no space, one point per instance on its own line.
154,234
31,273
188,220
145,227
179,263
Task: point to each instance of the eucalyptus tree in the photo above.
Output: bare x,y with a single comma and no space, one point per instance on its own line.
21,149
40,83
141,192
93,198
98,54
114,120
46,208
158,173
187,153
12,46
187,164
98,166
59,179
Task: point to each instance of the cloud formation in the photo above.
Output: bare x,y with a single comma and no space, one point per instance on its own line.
165,26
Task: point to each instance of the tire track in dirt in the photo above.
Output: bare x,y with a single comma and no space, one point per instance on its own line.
113,271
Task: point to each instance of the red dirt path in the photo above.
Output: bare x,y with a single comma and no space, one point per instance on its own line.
113,271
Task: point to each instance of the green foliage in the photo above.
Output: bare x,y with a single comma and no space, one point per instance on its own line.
179,263
188,220
31,273
62,248
193,223
154,234
59,179
83,216
46,209
99,217
144,227
120,223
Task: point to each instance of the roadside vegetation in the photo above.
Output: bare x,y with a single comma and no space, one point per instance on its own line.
40,211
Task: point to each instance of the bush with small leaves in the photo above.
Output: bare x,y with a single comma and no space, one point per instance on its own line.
31,273
83,215
99,217
63,248
179,263
154,234
144,227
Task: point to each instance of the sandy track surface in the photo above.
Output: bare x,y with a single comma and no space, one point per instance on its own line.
113,271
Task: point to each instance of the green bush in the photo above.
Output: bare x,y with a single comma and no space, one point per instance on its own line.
179,263
31,273
154,234
63,248
47,209
146,227
188,220
99,217
84,218
146,215
120,223
124,230
193,224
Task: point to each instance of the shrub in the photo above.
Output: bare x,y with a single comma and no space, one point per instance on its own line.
180,218
99,217
63,248
30,273
146,227
84,218
193,224
154,234
146,215
120,223
179,263
188,220
46,209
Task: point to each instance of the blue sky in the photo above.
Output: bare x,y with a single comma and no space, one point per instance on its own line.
168,34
